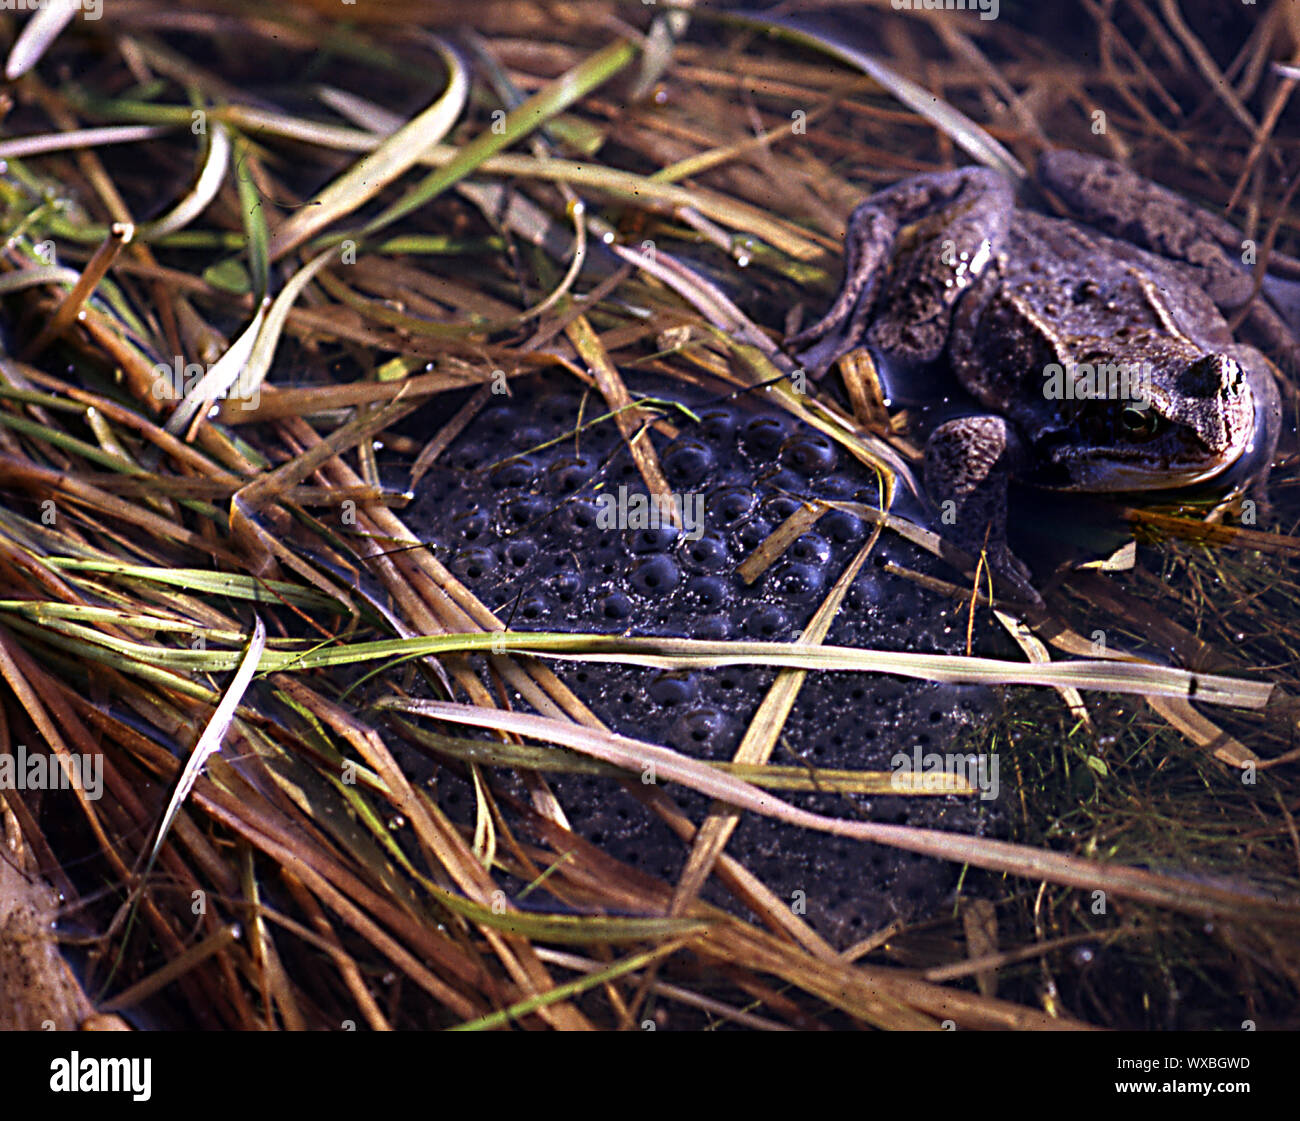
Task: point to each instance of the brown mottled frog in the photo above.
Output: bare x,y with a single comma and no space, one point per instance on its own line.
1101,366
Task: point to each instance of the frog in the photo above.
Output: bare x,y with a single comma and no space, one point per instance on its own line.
1096,349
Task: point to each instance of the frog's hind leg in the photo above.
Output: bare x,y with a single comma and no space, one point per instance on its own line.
971,208
968,465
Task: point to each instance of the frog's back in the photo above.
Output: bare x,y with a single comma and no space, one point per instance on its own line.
1089,284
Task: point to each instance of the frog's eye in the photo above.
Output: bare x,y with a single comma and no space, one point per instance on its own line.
1139,424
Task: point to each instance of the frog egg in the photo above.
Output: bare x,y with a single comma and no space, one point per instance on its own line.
702,727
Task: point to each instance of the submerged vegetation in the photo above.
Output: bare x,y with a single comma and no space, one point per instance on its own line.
245,243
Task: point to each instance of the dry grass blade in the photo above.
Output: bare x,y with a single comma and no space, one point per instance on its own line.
630,421
1034,864
518,123
393,156
40,31
921,101
119,236
215,166
671,653
573,988
21,146
668,653
217,381
213,735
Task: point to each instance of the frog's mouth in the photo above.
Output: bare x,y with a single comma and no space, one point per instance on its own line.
1118,475
1141,468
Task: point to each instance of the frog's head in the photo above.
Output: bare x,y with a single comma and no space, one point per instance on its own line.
1179,415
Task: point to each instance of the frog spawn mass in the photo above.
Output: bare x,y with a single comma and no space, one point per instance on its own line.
527,529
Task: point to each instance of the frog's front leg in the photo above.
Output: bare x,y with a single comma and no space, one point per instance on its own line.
968,464
1126,205
968,211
